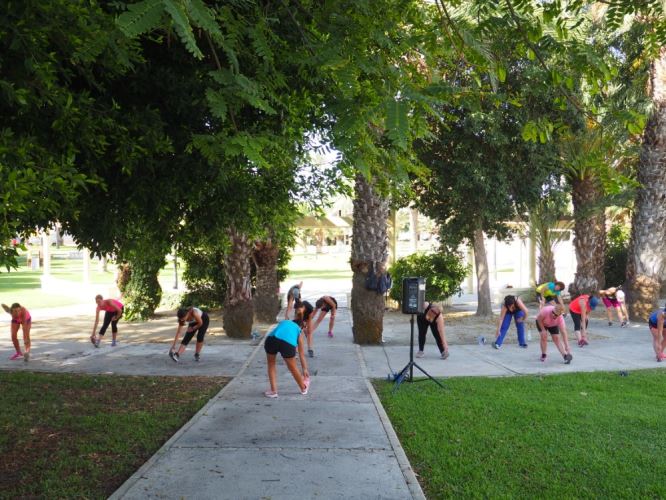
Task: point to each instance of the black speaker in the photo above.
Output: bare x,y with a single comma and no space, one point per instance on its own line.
413,295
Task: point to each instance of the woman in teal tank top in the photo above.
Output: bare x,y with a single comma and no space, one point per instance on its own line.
284,339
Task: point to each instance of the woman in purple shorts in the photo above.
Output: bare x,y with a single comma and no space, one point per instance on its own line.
610,300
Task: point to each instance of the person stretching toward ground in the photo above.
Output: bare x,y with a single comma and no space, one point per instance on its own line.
610,300
325,305
432,317
550,320
303,311
579,308
514,308
293,296
197,321
549,292
113,310
20,319
656,323
284,339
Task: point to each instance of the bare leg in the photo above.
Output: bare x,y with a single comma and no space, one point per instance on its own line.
619,314
14,330
319,319
290,302
656,342
295,372
663,342
198,347
331,322
308,337
559,344
181,349
272,371
26,336
610,317
543,341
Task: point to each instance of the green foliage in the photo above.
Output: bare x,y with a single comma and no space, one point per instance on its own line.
444,272
615,262
205,278
143,292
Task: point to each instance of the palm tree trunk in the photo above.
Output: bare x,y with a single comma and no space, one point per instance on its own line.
484,307
369,246
238,306
590,234
266,299
546,263
647,258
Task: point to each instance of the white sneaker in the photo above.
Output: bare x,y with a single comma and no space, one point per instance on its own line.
445,354
419,354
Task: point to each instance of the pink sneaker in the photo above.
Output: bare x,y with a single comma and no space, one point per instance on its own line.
271,394
330,334
17,355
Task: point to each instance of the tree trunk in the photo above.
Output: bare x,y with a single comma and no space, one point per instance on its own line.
414,223
589,234
647,258
266,299
369,246
484,307
238,306
546,263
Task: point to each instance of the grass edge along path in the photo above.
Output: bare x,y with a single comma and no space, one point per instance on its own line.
70,435
582,435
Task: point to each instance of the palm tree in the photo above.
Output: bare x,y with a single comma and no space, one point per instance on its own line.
266,300
369,248
238,305
647,258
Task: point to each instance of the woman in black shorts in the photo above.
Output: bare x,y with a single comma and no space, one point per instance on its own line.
325,305
304,313
284,339
197,321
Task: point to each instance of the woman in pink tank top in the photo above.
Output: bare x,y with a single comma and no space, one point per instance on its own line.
20,319
113,310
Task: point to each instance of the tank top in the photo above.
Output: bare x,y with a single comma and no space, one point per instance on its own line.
426,312
109,308
286,330
574,306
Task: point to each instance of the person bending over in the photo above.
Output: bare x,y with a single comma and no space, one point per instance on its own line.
432,317
549,292
285,338
197,321
325,305
550,320
513,308
113,310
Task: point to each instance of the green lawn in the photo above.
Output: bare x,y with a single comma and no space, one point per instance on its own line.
322,266
23,285
583,435
82,436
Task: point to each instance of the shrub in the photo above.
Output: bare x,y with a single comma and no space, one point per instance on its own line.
444,272
204,277
615,263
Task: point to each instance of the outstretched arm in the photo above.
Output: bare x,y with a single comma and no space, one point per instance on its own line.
175,340
501,320
96,321
301,356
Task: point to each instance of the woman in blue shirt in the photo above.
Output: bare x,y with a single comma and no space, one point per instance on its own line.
284,339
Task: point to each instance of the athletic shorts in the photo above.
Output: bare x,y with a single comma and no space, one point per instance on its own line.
653,325
326,307
273,345
17,322
546,298
553,330
577,320
610,302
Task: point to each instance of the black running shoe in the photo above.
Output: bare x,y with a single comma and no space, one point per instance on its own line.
196,356
174,356
567,358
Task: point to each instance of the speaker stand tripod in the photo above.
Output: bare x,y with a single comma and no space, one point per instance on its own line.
409,367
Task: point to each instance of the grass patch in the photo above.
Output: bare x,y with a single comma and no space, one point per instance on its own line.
582,435
66,436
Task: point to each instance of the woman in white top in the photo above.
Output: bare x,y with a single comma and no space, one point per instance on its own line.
197,322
